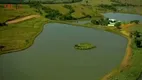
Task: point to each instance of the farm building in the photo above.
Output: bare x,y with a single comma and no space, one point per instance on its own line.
112,22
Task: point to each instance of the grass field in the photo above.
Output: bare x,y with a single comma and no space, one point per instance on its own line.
21,35
79,9
135,2
58,7
6,14
91,7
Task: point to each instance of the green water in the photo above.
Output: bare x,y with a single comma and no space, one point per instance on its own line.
53,57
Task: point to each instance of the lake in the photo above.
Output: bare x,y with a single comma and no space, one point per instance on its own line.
118,16
53,57
123,16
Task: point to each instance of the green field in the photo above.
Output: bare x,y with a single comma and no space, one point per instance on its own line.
6,14
21,35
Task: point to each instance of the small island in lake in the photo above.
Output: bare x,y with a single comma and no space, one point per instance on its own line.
84,46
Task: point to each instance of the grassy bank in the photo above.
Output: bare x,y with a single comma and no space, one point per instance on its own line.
20,36
132,72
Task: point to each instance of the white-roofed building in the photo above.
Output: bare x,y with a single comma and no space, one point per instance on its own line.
112,22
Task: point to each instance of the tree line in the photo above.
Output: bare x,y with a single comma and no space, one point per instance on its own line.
119,3
137,36
135,21
55,14
68,16
108,7
51,13
102,21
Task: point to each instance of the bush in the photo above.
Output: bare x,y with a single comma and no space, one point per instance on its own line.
109,7
137,38
1,47
51,13
101,21
136,34
37,5
67,17
70,8
3,24
135,21
96,22
138,42
27,41
118,24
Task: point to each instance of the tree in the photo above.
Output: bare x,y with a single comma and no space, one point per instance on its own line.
96,22
51,13
131,34
37,5
1,47
137,34
3,24
16,6
101,21
138,42
87,2
118,24
135,21
138,39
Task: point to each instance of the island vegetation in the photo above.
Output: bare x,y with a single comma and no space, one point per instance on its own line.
84,46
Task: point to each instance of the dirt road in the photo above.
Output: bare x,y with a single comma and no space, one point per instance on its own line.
22,19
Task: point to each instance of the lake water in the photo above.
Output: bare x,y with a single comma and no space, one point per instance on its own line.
123,16
118,16
53,57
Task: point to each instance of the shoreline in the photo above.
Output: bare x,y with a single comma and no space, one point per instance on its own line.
124,63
